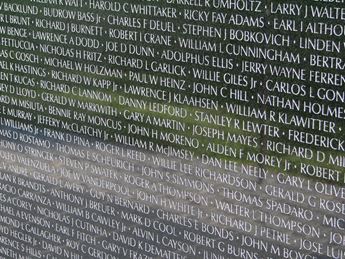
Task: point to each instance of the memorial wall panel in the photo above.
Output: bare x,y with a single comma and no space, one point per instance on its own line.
175,129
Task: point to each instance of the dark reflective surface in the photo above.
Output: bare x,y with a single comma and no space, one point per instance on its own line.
202,129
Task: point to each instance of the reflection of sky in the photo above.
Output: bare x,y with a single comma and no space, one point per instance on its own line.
102,195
